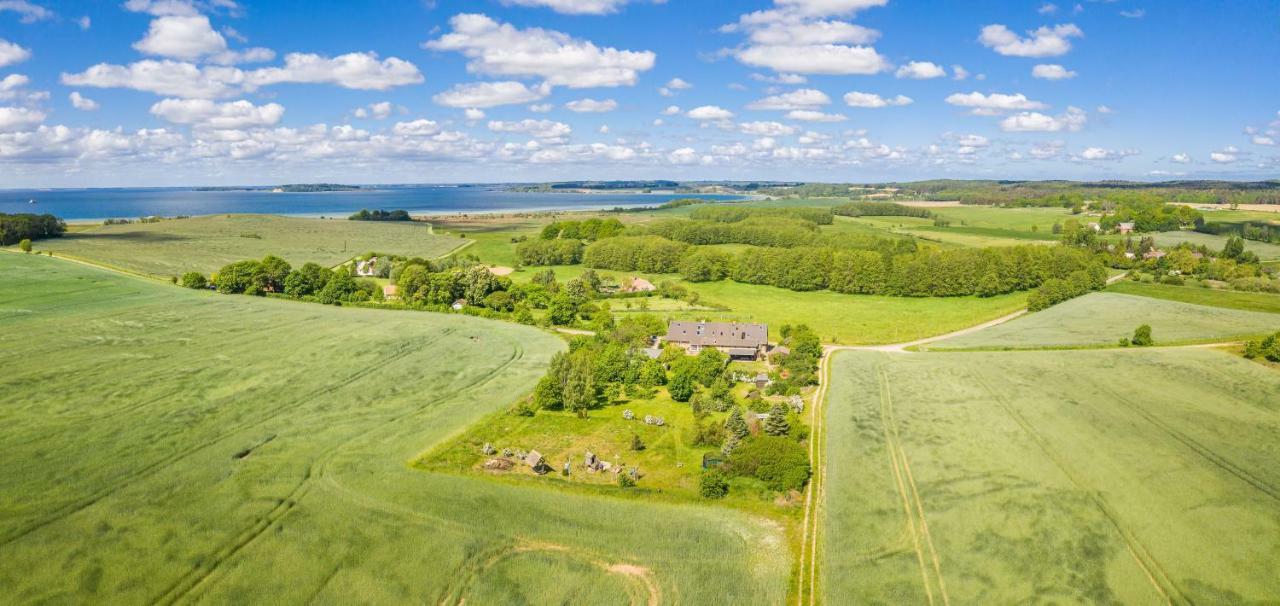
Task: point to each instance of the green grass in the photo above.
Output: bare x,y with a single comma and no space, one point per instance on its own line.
1170,239
1248,301
164,444
1103,318
1045,477
205,244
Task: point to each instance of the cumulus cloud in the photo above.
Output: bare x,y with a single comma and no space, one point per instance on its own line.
808,115
1043,42
805,33
673,85
172,78
959,72
1052,72
1181,158
377,111
1227,155
19,118
11,53
1072,120
591,106
489,94
800,37
362,71
684,155
181,37
28,12
993,103
874,101
832,59
780,79
766,129
210,114
1093,154
573,7
804,98
709,112
541,108
472,114
539,129
81,102
920,70
504,50
11,83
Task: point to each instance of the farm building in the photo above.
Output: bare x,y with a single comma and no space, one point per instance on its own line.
634,284
390,292
740,341
1125,228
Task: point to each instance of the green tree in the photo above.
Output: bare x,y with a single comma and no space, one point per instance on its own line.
578,388
1142,336
240,277
25,245
713,484
777,424
273,274
683,379
563,310
307,280
736,425
779,462
1234,247
194,279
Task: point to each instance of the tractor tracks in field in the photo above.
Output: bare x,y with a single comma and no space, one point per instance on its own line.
320,469
1146,561
150,469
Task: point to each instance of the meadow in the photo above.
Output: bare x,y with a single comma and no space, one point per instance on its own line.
205,244
1231,299
166,445
1170,239
1099,477
1103,318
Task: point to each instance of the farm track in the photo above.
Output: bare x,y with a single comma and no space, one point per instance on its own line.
148,470
1154,571
318,470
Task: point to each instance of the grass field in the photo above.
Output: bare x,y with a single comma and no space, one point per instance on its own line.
205,244
1169,239
1103,318
1248,301
1085,477
161,448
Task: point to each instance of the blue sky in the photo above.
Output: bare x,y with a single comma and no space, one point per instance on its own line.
181,92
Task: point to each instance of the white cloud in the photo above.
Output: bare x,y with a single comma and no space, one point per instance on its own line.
541,108
248,55
81,102
1043,42
1228,155
13,82
1098,153
19,118
1104,109
472,114
29,13
539,129
673,85
1136,13
591,106
832,59
684,155
361,71
709,112
920,70
573,7
874,101
792,79
489,94
804,98
671,110
1263,140
416,128
186,38
1072,120
1047,9
11,53
1181,158
173,78
222,116
766,129
802,33
959,72
84,22
502,49
993,103
807,115
1052,72
377,111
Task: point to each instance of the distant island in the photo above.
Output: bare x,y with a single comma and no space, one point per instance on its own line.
293,188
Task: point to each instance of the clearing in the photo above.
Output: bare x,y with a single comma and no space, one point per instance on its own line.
161,449
205,244
1170,239
1051,477
1102,318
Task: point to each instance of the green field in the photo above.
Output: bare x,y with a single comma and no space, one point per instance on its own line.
1103,318
165,445
1170,239
1085,477
1231,299
205,244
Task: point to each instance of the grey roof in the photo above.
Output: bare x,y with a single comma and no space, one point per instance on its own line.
741,351
718,334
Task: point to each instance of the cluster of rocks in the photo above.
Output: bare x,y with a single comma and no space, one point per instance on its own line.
533,459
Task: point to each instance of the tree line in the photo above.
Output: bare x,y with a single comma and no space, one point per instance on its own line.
880,209
734,214
380,215
28,226
589,230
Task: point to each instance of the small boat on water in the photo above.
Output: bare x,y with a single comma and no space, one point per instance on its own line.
31,201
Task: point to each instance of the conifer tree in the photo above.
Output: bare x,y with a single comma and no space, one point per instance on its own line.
777,424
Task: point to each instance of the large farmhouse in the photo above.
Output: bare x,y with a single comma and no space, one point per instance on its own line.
746,341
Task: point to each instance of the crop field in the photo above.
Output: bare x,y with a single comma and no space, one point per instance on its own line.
205,244
160,448
1103,318
1084,477
1231,299
1169,239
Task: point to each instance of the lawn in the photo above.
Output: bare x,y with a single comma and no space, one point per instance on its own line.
205,244
1170,239
1084,477
168,445
1103,318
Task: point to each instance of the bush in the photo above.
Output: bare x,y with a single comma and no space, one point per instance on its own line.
713,484
194,279
1142,337
781,463
25,245
625,480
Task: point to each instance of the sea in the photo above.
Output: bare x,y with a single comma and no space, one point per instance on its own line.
130,203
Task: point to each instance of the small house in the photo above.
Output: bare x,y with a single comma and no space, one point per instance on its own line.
1154,254
1125,228
761,381
390,292
634,284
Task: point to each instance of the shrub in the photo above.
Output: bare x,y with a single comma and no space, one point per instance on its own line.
713,484
1142,336
625,480
779,462
636,443
25,245
194,279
